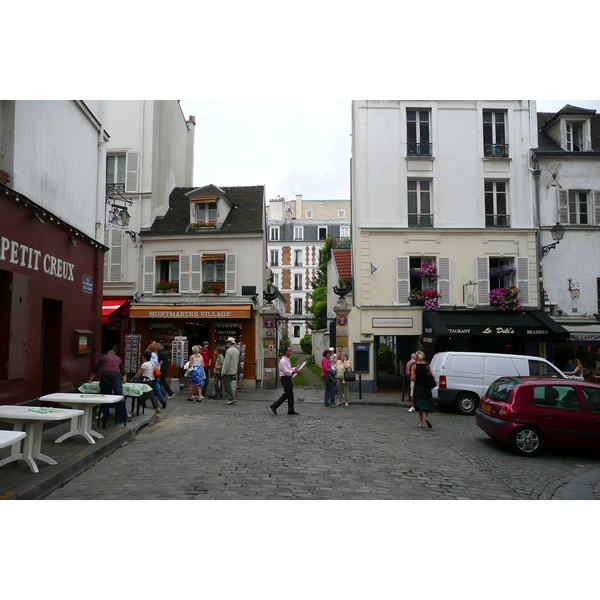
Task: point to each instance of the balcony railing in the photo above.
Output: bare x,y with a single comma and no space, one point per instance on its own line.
495,150
414,149
420,220
497,221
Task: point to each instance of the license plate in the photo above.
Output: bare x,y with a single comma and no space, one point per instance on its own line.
486,407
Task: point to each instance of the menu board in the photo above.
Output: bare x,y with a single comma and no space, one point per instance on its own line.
179,351
133,351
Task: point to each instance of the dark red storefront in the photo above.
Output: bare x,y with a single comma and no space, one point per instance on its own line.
50,301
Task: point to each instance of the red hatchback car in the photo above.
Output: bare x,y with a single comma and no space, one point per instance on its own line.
532,412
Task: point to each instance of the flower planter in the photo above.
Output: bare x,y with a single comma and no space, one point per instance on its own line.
420,302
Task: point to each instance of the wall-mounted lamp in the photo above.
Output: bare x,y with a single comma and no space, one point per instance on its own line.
558,233
73,241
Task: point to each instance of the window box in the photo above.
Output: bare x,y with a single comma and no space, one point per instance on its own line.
506,299
167,287
429,299
213,287
203,225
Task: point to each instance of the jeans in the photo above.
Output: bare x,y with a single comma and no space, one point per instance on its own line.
330,390
166,386
206,380
111,383
153,383
218,385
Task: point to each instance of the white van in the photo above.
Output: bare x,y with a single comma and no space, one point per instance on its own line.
463,377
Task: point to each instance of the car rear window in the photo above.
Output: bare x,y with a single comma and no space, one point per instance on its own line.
592,395
556,396
500,389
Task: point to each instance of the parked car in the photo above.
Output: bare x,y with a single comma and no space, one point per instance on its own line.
532,412
464,377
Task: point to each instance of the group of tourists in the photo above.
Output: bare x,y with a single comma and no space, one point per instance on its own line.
225,370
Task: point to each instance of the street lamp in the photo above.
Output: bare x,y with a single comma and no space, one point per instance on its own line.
558,233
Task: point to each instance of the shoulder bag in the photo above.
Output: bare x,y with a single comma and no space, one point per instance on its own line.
349,375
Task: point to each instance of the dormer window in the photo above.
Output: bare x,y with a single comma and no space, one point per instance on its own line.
206,212
575,136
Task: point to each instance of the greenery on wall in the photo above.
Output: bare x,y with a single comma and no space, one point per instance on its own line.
318,307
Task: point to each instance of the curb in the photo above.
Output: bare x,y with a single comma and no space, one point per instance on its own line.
35,488
582,487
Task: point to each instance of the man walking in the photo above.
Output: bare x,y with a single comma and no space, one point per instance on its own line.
163,361
285,374
230,369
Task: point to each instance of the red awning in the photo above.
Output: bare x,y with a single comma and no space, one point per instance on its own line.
114,304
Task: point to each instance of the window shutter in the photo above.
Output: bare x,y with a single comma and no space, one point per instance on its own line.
184,273
444,280
482,268
597,207
523,279
196,273
116,255
149,275
230,273
563,207
106,254
402,279
133,166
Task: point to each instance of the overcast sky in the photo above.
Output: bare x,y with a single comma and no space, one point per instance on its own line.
290,146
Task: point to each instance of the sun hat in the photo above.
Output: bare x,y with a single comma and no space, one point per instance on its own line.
230,339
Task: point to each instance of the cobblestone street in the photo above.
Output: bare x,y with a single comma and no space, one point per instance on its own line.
217,451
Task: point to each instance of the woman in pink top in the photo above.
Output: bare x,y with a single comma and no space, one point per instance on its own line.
330,388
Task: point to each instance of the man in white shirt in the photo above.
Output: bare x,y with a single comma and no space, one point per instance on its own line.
230,369
285,374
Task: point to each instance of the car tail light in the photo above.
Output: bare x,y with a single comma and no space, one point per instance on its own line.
504,411
442,382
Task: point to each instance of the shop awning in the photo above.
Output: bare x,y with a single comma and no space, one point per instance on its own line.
238,311
584,333
535,323
112,304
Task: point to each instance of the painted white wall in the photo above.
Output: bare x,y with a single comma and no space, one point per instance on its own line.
56,158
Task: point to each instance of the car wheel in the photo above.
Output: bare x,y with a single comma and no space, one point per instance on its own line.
465,404
527,441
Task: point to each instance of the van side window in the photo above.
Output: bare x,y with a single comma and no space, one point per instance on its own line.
542,368
556,396
592,395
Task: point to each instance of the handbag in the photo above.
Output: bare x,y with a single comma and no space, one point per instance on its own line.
431,382
187,369
349,375
157,373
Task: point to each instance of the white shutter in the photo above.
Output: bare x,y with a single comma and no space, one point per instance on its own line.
482,268
106,254
444,287
184,273
563,207
116,255
402,279
196,273
149,274
133,167
523,279
597,207
230,273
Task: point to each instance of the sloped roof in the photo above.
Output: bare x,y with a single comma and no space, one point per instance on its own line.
545,119
343,261
245,216
208,191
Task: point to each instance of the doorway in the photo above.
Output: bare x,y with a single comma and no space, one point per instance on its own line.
51,345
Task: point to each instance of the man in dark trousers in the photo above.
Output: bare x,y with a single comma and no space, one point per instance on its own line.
163,361
285,374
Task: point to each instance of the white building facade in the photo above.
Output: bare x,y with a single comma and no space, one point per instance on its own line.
448,185
568,160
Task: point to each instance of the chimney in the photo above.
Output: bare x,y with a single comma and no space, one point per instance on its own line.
275,210
299,214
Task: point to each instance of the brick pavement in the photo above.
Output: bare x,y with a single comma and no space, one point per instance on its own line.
373,450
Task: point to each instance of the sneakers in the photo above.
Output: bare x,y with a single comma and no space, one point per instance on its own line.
411,409
171,396
231,401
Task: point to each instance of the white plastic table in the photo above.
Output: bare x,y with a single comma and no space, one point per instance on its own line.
29,419
8,438
85,403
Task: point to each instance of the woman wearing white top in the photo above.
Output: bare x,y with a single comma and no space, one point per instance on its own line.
196,377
